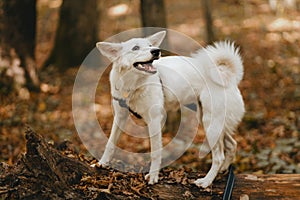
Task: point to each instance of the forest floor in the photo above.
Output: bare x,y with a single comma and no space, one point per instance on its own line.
269,136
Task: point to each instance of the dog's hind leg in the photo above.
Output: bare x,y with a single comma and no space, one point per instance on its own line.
217,161
213,118
230,151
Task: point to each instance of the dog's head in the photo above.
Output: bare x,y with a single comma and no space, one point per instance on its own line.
136,53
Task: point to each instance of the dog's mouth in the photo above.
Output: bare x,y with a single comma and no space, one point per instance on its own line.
145,66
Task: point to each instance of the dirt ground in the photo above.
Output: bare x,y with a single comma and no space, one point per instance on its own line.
269,136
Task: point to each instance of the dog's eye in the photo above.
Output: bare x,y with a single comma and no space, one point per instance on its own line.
135,48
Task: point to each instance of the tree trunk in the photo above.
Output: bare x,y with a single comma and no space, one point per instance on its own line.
77,33
210,36
17,41
153,14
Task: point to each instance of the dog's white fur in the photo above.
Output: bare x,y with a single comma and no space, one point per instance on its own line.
212,74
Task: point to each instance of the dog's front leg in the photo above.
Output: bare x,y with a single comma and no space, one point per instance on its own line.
111,144
156,148
154,127
120,118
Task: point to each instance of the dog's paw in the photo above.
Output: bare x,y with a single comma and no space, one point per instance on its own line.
94,165
152,178
203,182
100,164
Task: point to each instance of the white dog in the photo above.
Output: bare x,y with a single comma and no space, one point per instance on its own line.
138,80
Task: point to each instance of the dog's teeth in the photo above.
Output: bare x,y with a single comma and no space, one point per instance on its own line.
140,66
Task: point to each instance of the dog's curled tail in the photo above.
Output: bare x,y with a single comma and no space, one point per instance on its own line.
226,65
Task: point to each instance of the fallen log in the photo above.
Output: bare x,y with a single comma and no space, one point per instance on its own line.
44,172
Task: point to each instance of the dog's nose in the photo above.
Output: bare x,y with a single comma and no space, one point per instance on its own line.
155,52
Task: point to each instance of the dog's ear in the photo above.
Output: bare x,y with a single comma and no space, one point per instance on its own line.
157,38
109,50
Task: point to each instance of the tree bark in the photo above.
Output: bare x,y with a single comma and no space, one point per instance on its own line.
210,36
17,41
153,14
77,33
44,172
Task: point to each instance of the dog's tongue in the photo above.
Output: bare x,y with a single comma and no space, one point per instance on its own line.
149,67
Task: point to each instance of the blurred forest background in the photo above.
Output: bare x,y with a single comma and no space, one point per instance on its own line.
43,42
